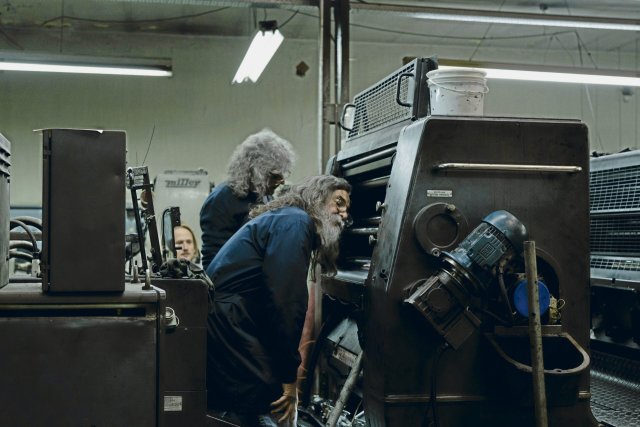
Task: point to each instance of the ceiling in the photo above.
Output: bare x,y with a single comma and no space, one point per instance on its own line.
299,19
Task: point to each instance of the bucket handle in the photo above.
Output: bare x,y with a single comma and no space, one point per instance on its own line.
433,82
398,84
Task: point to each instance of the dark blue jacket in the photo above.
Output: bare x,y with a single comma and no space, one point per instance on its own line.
260,301
221,215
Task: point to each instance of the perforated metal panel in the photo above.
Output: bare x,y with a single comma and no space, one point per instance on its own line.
616,234
378,106
614,189
613,263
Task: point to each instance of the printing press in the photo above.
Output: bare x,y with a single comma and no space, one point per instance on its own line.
429,292
85,343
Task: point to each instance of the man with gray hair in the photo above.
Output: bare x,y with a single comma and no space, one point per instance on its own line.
260,300
256,168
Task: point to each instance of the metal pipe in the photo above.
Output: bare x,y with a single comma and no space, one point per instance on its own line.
507,167
341,25
351,276
345,392
380,181
370,158
362,231
363,261
374,220
535,335
324,93
324,82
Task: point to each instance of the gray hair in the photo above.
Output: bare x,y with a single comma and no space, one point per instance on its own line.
311,195
255,159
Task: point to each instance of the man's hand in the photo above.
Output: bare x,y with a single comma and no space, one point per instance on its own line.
287,404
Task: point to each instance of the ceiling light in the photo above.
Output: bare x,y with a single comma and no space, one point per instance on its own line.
264,45
544,73
509,18
52,63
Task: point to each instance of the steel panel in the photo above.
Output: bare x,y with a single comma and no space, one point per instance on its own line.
78,362
83,210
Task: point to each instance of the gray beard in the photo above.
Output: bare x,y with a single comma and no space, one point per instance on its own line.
327,253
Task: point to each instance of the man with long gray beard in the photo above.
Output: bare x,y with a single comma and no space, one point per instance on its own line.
260,300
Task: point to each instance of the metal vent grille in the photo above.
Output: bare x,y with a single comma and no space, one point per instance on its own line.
612,263
616,234
377,107
5,154
615,189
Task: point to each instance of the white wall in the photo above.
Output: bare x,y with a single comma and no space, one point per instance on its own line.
199,117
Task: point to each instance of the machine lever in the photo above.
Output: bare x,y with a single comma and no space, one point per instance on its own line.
507,167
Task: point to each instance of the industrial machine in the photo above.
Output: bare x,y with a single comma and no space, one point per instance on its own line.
615,287
430,293
615,252
86,343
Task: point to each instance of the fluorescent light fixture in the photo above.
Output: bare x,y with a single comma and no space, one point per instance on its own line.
509,18
52,63
264,45
530,19
544,73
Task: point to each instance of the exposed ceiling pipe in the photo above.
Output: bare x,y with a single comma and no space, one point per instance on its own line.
290,4
498,17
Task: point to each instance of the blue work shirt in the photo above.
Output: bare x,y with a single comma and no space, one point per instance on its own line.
260,301
221,215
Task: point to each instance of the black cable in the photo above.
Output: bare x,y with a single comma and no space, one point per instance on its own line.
30,221
495,317
14,253
434,36
503,292
153,131
140,21
17,223
22,244
288,19
10,39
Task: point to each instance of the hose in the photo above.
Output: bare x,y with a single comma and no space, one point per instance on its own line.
17,223
30,221
13,253
22,244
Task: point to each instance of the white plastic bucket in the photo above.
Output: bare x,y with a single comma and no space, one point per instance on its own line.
457,91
